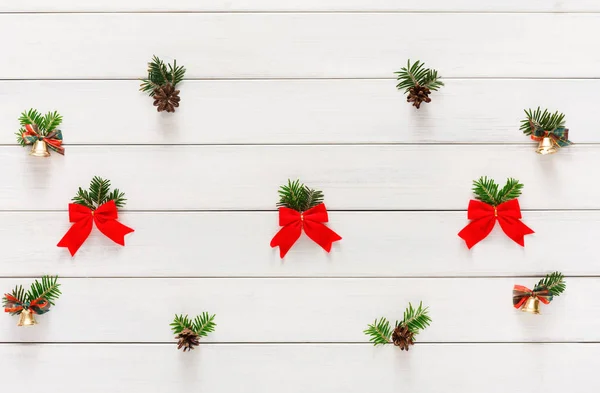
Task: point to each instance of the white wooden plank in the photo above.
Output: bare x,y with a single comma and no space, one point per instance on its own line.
307,310
456,368
270,45
307,5
221,244
247,177
301,111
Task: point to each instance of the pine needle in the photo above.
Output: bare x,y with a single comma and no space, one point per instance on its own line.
417,75
541,120
98,194
46,123
297,196
554,282
201,324
159,74
379,332
416,319
47,289
486,190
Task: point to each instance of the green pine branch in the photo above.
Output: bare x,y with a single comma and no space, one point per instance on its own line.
554,282
416,319
379,332
47,289
486,190
544,120
19,294
99,193
46,123
417,75
201,325
159,74
204,324
297,196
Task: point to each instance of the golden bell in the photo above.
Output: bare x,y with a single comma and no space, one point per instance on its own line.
547,146
26,318
532,305
39,149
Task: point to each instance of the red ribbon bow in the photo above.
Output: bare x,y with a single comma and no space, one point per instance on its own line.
484,217
311,221
105,217
521,294
14,305
53,139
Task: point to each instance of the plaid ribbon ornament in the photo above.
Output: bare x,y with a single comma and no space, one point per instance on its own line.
521,294
53,140
13,306
559,136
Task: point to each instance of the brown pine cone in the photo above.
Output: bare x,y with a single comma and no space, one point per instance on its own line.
166,98
418,94
402,337
188,339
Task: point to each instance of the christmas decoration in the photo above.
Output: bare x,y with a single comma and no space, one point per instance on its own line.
546,128
37,300
418,82
494,205
98,205
545,290
41,132
189,331
161,83
302,208
404,332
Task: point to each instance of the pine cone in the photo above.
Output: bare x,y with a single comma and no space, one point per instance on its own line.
188,339
166,98
402,337
418,94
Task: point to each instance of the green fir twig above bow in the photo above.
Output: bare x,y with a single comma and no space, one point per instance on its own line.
37,300
403,334
546,128
486,190
297,196
418,82
189,331
161,82
98,194
40,131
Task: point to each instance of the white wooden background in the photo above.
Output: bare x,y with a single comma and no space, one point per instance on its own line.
301,89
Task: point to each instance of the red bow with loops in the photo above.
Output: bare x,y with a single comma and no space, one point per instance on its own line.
483,218
311,221
105,218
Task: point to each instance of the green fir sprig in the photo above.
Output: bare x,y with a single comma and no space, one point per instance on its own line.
554,282
47,289
415,319
201,324
417,75
486,190
160,74
297,196
98,194
46,123
539,119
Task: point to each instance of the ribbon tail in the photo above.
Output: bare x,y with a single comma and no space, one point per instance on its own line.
114,230
55,145
477,230
321,234
76,235
286,237
515,229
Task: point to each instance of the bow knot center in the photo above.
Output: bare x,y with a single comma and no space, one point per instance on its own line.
495,211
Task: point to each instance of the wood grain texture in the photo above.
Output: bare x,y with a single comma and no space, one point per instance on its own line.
302,111
236,244
374,177
307,5
324,368
346,45
307,310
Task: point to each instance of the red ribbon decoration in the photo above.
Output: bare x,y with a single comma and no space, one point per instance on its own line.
105,218
484,217
14,305
521,294
311,221
53,139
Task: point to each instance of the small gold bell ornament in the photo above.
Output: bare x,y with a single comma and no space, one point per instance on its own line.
37,300
545,290
41,132
546,128
189,331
